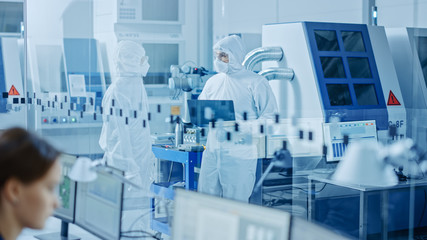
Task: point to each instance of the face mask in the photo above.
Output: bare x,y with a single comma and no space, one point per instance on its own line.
144,69
221,66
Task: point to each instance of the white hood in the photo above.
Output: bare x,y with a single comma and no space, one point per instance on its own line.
234,47
127,58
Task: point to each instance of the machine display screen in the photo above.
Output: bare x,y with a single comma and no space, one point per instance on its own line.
339,94
365,94
359,67
160,10
422,55
167,54
332,67
353,41
326,40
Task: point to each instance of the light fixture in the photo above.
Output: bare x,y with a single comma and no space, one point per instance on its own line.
363,164
85,170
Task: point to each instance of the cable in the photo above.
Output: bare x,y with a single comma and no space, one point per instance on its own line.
145,214
313,192
424,208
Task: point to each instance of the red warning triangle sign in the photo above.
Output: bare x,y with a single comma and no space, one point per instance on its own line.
13,91
392,100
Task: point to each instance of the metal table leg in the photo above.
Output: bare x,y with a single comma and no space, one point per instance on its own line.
384,214
363,215
311,198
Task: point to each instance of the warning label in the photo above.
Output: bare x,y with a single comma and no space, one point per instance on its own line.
392,100
13,91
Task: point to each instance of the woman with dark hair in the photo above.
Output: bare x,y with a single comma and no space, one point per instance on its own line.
29,173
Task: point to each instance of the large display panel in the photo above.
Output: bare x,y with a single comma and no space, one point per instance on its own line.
199,216
99,205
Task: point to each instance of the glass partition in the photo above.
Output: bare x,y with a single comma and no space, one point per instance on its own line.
111,81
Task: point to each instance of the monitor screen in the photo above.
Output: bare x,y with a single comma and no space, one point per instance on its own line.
356,131
160,10
199,216
99,205
66,190
203,111
167,54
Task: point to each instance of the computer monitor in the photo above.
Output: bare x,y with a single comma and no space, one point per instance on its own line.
199,216
66,191
357,131
99,205
220,109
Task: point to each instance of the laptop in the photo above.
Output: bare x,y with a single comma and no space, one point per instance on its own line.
203,111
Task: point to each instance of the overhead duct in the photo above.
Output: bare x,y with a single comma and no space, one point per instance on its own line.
278,73
261,55
264,54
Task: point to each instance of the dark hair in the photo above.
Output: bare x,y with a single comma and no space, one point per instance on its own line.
24,156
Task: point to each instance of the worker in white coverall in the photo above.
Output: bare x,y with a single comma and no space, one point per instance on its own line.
228,167
125,135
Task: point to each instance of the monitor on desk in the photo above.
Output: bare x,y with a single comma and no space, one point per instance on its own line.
199,216
66,190
357,131
203,111
99,205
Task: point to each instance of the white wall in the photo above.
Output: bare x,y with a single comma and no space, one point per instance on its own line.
402,13
247,16
232,17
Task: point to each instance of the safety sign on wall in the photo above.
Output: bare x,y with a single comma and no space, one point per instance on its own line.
13,91
392,100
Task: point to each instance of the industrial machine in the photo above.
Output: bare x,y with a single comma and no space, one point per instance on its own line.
342,73
13,98
66,110
409,50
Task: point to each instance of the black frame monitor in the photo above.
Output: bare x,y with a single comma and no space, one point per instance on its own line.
66,190
99,204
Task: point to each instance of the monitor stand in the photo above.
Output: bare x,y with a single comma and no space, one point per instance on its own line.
63,235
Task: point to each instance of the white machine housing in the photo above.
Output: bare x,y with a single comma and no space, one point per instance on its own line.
14,114
50,112
301,99
406,45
